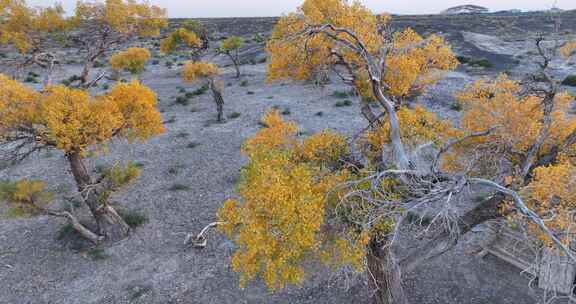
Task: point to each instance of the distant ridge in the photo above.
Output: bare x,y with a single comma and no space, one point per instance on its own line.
466,9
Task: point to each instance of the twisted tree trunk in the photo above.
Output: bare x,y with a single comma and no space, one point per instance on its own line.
218,99
384,275
110,225
235,58
400,156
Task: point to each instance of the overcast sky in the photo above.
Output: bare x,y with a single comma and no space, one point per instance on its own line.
254,8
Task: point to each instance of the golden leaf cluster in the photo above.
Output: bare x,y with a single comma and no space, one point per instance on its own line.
285,197
127,17
25,197
194,70
181,36
517,119
25,27
72,120
131,60
568,49
552,194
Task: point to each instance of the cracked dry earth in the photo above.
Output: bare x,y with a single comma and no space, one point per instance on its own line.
153,266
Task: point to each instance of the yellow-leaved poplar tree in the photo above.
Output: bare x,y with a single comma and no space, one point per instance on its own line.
102,26
78,124
284,204
385,68
26,28
535,135
32,31
231,47
95,28
206,73
183,37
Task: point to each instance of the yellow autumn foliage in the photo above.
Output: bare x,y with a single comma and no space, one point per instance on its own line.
412,62
231,43
137,105
277,135
19,105
568,49
25,28
75,121
517,120
181,36
410,70
552,194
25,197
72,120
285,197
325,146
127,17
131,60
194,70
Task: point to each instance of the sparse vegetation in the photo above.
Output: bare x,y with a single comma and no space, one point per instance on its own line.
179,187
569,81
343,103
97,254
133,218
234,115
340,94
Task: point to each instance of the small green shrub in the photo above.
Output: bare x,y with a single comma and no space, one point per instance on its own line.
179,187
481,62
182,134
456,106
174,170
64,231
192,145
340,94
463,59
201,90
343,103
250,93
244,83
182,100
133,218
31,79
234,115
570,80
97,254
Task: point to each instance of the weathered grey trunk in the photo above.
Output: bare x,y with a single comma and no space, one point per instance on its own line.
218,99
384,275
110,225
400,156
